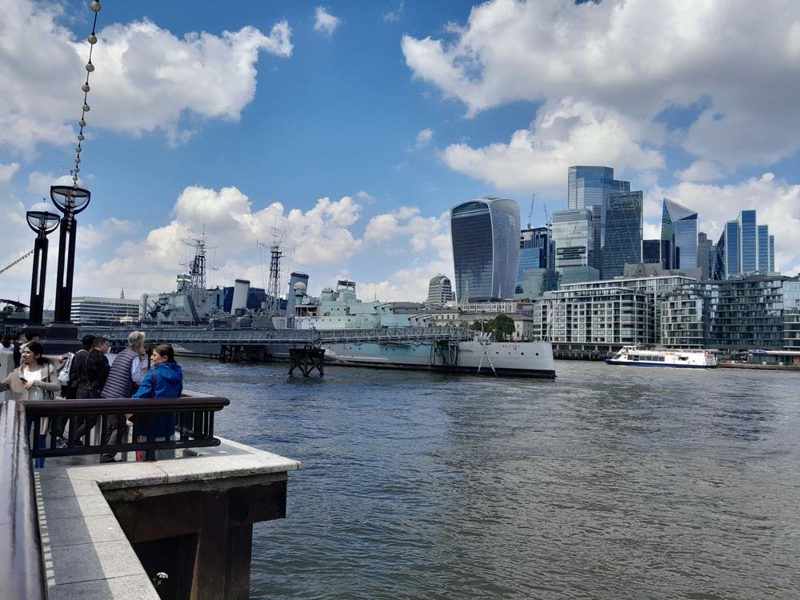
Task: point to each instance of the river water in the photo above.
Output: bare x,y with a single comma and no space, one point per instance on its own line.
609,482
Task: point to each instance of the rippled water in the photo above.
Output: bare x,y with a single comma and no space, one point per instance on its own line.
609,482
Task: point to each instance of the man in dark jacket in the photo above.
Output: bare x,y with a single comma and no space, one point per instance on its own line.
91,379
77,364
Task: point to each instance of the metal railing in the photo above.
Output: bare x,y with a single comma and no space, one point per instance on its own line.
204,334
192,415
22,571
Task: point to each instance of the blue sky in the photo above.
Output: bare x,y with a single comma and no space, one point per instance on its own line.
351,128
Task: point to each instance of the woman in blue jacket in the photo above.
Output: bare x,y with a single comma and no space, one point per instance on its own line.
165,380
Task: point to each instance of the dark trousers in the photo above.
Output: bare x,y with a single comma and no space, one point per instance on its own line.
112,432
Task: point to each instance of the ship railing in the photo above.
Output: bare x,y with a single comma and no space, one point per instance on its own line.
289,336
192,415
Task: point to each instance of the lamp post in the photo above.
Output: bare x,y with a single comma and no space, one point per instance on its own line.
69,200
42,222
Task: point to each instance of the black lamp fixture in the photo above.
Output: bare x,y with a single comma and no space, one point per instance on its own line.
69,200
43,223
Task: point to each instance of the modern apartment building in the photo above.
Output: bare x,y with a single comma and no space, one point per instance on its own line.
485,235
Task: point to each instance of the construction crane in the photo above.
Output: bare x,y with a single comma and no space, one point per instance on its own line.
530,213
20,259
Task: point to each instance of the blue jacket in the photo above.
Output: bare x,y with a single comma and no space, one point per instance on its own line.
168,379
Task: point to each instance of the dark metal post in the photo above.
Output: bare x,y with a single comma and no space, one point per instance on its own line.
70,201
43,223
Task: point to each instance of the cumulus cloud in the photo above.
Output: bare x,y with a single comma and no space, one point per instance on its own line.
325,22
567,133
633,58
146,78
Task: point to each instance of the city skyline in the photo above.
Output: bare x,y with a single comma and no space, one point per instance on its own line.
353,128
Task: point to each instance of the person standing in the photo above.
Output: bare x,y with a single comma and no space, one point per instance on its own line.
91,379
165,380
34,379
124,377
77,365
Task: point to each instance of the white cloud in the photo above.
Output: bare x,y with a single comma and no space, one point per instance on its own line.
394,15
568,133
145,77
424,138
700,170
634,58
325,22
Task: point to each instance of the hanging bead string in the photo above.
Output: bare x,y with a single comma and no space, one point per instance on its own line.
92,39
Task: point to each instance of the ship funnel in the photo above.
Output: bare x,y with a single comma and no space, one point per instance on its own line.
241,289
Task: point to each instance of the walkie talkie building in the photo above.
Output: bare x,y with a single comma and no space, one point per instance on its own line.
485,235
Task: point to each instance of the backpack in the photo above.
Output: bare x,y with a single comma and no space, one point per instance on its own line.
63,373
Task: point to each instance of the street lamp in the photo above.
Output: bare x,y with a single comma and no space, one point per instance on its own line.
69,200
43,223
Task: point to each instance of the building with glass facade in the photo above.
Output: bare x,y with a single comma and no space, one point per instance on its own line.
485,236
679,227
753,312
705,255
623,239
589,187
440,291
744,248
536,263
573,238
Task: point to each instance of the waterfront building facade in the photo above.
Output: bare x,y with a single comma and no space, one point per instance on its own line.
623,238
440,291
753,312
92,309
679,228
485,236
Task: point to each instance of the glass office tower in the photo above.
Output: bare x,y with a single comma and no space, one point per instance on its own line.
536,263
485,235
679,226
731,257
573,235
748,234
590,187
623,233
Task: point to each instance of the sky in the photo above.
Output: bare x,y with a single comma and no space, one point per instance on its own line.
347,130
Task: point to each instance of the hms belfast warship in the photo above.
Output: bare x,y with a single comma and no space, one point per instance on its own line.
341,322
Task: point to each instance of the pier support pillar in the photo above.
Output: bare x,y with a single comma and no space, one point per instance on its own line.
199,535
307,359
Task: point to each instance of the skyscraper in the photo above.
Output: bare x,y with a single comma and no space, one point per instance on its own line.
573,235
590,187
536,263
744,248
679,227
485,235
623,243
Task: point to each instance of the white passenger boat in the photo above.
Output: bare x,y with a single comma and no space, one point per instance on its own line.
662,357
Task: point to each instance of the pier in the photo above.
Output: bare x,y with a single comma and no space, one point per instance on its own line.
175,528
